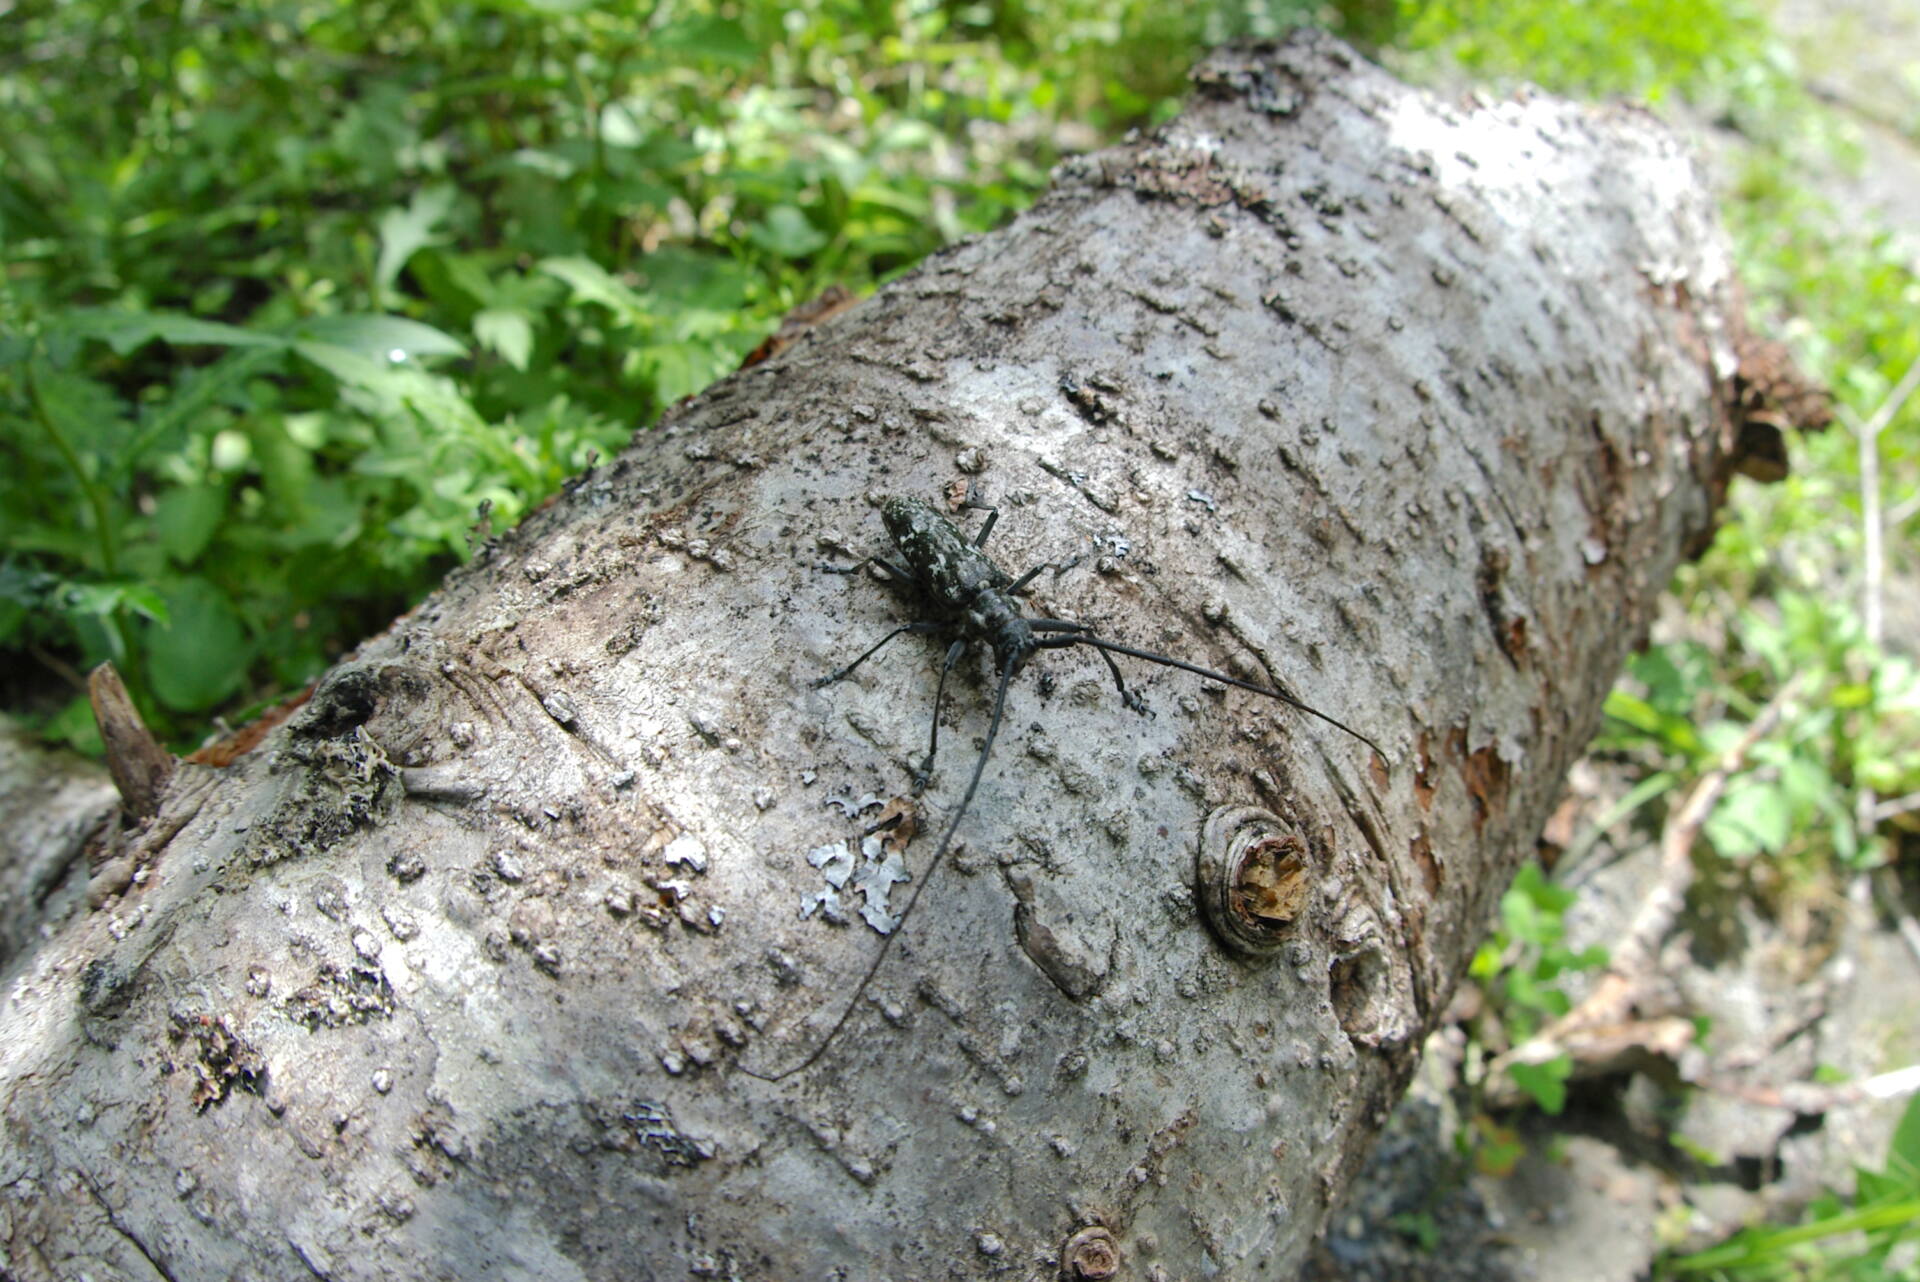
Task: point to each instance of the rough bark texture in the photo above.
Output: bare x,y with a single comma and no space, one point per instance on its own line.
1410,407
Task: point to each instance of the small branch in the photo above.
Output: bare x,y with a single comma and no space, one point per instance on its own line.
1636,954
1908,384
1813,1098
59,667
1867,435
1873,560
1886,810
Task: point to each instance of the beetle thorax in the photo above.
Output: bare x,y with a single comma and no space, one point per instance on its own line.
995,619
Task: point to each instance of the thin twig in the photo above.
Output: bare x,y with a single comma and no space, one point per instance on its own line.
1637,952
59,667
1867,440
1886,810
1908,384
1873,559
1814,1098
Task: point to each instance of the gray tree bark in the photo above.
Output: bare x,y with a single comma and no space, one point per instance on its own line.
1407,406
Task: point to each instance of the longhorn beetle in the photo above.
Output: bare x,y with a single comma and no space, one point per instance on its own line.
975,599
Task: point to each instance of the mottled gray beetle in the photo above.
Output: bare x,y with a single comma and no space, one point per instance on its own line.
974,600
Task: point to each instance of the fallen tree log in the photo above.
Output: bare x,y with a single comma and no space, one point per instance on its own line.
1408,408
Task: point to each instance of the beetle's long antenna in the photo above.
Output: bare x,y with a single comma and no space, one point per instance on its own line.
926,879
1100,643
838,674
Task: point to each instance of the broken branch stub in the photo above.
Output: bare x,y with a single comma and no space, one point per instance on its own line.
141,766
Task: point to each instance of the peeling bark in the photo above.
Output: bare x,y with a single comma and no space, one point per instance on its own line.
1408,407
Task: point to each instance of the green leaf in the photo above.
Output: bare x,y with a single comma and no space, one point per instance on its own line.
1761,1244
201,656
128,331
1633,710
74,726
1753,817
1673,675
679,369
1521,918
591,283
87,418
196,396
1419,1227
552,8
1669,730
403,231
103,599
1523,990
1851,694
1592,957
327,515
23,594
708,39
508,332
1876,1186
1545,1083
388,338
1531,884
453,282
185,518
355,369
1805,783
786,232
1903,1153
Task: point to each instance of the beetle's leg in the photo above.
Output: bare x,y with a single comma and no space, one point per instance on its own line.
1021,582
980,539
925,771
973,503
831,677
1067,634
899,572
893,571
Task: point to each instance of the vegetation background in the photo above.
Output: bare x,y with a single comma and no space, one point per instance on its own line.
303,297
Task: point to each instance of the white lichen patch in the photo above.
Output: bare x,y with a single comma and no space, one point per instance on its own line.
834,860
875,881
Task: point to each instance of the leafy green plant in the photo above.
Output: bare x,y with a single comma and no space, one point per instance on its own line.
1520,971
319,462
1852,727
1419,1227
283,315
1642,49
